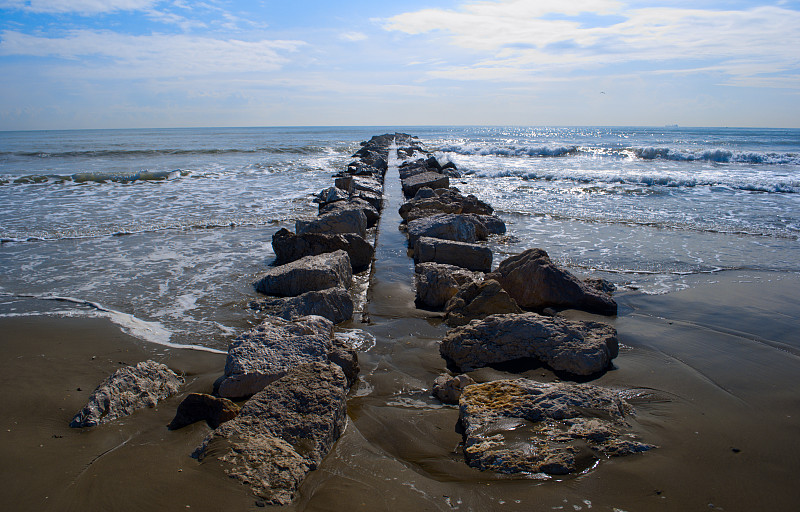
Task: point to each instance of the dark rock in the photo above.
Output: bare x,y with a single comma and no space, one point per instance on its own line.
460,228
290,247
328,270
126,390
335,304
351,220
370,212
436,283
346,357
448,200
478,300
461,254
283,432
494,224
432,180
424,193
601,285
267,352
331,195
198,407
535,282
576,347
448,388
522,426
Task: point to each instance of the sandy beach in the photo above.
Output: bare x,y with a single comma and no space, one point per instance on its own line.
711,371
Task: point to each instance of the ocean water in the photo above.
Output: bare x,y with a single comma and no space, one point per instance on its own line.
164,230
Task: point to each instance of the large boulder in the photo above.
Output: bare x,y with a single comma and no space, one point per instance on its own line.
535,282
432,180
461,254
354,183
328,270
370,212
335,304
527,427
478,300
350,220
283,432
575,347
126,390
268,351
448,200
436,283
461,228
289,247
202,407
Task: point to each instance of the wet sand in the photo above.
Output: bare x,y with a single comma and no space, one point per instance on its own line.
713,372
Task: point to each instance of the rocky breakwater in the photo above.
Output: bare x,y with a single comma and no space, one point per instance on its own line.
510,316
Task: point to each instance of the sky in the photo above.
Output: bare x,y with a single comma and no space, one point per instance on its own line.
74,64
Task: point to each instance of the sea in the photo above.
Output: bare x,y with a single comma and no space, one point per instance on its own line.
164,230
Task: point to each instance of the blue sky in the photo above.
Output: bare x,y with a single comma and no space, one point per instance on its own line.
147,63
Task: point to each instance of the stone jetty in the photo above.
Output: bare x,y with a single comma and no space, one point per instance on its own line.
281,402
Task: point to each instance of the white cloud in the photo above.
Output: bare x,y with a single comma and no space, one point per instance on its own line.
509,40
79,6
154,55
353,36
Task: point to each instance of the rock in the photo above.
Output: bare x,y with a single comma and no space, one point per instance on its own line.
328,270
424,193
536,283
494,224
432,180
461,228
478,300
331,195
374,199
268,351
355,183
290,247
448,200
522,426
335,304
283,432
198,406
461,254
601,285
448,389
346,357
355,202
351,220
576,347
126,390
436,283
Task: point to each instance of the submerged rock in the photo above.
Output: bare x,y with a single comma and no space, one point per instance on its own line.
268,351
448,388
522,426
478,300
290,247
461,254
335,304
283,432
436,283
201,407
535,282
576,347
126,390
328,270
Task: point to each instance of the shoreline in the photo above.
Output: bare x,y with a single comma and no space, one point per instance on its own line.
719,401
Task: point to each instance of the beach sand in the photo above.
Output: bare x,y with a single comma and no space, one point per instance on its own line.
712,371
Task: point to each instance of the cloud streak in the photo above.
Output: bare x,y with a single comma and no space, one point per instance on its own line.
518,40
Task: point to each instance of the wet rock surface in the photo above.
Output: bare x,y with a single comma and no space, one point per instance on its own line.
268,351
436,283
535,282
524,427
202,407
575,347
478,300
461,254
283,432
335,304
126,390
310,273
